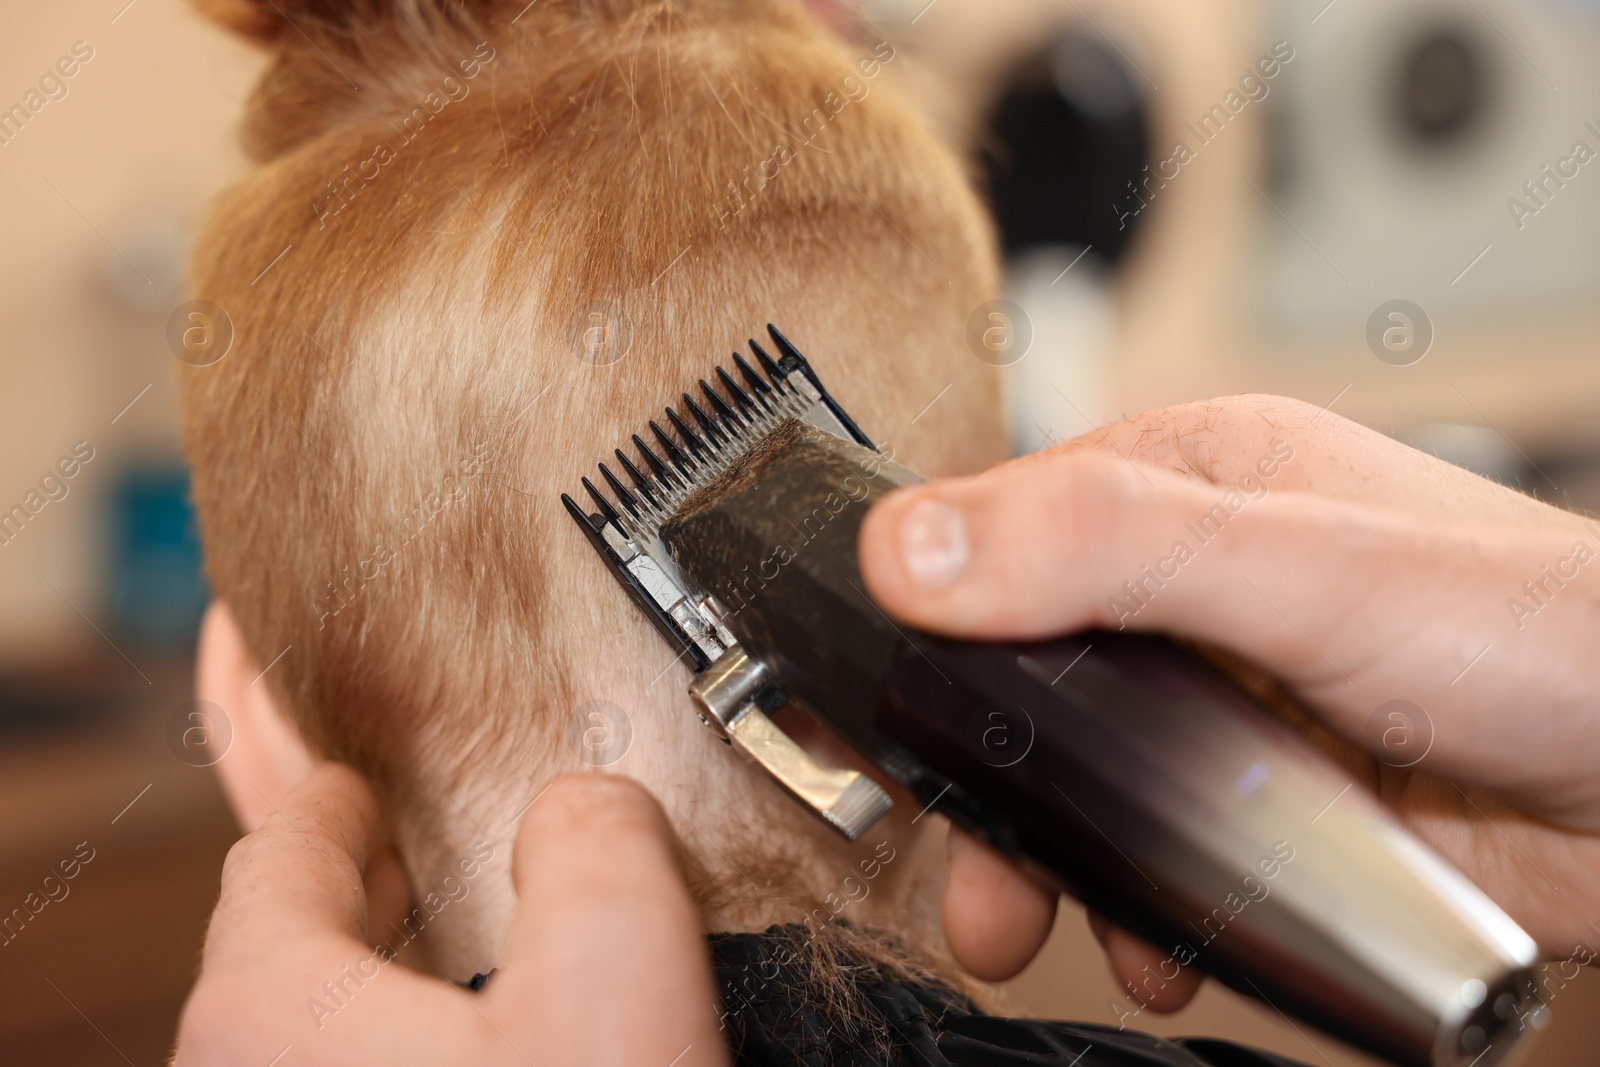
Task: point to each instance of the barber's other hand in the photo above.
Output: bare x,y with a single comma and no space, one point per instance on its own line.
1354,569
606,962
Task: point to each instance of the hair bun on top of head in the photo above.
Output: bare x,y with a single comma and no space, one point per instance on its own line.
271,20
335,59
267,20
341,60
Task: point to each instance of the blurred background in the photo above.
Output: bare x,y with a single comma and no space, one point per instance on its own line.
1397,222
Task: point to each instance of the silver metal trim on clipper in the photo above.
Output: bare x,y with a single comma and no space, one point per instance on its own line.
728,694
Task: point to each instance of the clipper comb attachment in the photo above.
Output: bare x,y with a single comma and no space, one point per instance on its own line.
734,693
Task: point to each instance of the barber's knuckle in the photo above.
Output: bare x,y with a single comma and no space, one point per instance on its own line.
1228,434
246,852
1269,415
341,790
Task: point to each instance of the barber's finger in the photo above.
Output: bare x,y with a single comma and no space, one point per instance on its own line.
1155,979
298,878
607,961
1291,445
1346,605
1083,539
996,919
287,962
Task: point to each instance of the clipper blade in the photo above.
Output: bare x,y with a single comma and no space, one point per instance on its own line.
707,436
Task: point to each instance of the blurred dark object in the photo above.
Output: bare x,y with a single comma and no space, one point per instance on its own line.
1067,143
156,590
1443,88
66,699
98,960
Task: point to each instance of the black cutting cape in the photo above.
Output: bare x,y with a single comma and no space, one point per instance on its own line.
771,1024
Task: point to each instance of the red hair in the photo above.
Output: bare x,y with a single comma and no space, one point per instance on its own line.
447,196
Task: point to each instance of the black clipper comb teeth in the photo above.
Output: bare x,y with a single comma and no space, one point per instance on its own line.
705,435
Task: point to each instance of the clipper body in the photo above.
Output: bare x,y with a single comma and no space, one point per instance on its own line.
1144,780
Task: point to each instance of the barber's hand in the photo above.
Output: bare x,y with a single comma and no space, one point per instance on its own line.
606,962
1354,569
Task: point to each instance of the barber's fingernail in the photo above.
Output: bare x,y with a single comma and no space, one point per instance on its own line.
933,543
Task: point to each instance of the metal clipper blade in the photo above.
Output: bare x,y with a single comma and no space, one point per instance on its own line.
735,694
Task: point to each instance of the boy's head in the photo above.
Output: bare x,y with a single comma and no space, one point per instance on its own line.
486,243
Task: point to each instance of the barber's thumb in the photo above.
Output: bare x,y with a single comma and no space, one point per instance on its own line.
1017,552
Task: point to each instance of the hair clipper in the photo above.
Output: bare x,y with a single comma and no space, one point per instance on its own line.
1161,794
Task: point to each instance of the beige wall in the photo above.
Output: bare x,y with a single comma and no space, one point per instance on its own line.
138,144
1192,314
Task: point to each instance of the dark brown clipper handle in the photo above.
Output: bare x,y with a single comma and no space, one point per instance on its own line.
1160,793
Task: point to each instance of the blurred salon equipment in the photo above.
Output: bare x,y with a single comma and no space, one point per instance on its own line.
1434,154
1387,209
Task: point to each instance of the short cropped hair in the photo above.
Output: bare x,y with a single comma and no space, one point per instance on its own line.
483,245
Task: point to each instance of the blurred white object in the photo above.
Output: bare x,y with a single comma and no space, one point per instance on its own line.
1061,387
1414,146
145,265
